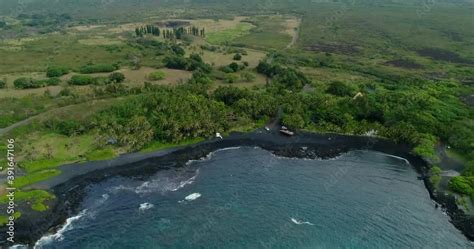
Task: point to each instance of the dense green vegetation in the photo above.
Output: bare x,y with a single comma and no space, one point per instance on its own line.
98,68
24,83
56,71
81,80
158,75
116,77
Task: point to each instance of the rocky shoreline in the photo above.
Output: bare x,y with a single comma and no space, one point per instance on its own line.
70,188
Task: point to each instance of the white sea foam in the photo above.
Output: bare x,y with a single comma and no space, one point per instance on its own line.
119,188
192,196
297,222
393,156
19,246
397,157
187,182
211,154
145,206
59,235
164,184
229,148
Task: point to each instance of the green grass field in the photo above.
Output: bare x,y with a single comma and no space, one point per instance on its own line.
270,33
229,35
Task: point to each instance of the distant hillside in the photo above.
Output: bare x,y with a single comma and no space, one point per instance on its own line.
106,8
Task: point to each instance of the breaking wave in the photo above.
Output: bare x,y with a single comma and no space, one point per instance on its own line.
59,235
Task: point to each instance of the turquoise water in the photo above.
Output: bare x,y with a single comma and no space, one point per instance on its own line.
249,198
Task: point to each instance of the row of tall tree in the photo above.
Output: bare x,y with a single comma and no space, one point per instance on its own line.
147,29
175,33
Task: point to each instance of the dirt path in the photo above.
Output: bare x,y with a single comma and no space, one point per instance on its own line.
295,35
15,125
57,110
448,163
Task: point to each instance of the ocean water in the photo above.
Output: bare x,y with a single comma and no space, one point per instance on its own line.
248,198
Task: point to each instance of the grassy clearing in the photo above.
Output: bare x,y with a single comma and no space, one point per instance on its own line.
217,25
138,77
15,109
98,41
259,81
45,151
63,50
270,32
219,59
35,177
41,152
35,197
101,154
229,35
249,126
87,27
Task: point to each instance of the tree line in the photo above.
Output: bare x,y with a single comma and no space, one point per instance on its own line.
175,33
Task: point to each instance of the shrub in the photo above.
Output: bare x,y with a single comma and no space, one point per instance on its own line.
426,147
234,66
248,77
231,78
81,80
196,57
101,80
237,57
49,82
227,69
178,50
191,64
97,68
24,83
116,77
461,184
200,78
339,89
65,127
229,95
176,62
56,71
268,69
158,75
291,78
65,92
3,84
